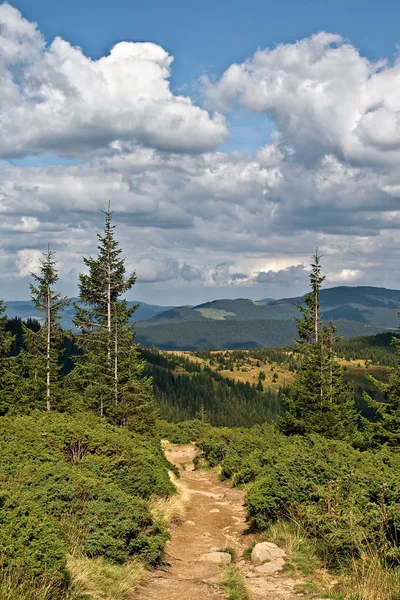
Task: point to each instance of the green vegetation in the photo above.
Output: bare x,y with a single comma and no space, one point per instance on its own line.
77,489
75,485
342,497
234,584
320,401
184,395
208,334
377,349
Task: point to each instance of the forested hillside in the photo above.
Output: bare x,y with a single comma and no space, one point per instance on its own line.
220,335
312,430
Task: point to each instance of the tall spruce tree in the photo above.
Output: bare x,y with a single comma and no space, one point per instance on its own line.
310,322
8,371
385,428
320,400
43,346
111,371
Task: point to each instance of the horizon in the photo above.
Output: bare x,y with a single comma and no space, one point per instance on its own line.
216,299
231,143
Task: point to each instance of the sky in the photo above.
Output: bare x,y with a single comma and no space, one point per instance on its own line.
232,139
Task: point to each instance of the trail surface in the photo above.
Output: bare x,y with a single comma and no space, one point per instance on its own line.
215,519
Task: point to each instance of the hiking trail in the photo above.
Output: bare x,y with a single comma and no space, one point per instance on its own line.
215,518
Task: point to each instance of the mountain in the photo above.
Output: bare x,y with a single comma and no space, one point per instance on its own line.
241,309
247,323
219,335
25,309
364,304
369,305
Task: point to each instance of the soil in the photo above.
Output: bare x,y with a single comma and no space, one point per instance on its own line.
215,519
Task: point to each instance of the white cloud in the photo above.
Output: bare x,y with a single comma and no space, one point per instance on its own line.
28,261
345,275
324,97
63,102
190,219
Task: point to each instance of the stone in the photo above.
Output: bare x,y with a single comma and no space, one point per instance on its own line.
266,552
269,568
217,558
190,523
214,510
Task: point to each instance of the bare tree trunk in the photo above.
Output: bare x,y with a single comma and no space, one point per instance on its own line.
108,304
316,316
116,364
48,378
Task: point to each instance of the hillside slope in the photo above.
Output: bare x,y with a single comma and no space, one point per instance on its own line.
220,335
369,305
25,309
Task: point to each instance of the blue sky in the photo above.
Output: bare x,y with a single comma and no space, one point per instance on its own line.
206,36
308,126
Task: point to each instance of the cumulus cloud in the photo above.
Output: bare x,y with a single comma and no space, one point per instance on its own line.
57,100
294,275
190,217
150,270
28,261
324,96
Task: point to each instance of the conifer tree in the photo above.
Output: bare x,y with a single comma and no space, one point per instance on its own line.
111,372
8,375
310,323
42,359
385,429
320,400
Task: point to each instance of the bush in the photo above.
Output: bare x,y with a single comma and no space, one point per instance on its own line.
76,482
342,497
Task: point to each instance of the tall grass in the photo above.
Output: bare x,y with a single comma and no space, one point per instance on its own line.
370,579
173,509
364,578
16,585
233,584
98,579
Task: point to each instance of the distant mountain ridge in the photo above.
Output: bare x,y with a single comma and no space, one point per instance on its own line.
364,304
25,309
242,322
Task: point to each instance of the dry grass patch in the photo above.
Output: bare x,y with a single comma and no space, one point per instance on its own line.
171,510
369,579
98,579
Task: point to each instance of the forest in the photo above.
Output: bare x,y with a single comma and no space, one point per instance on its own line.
82,416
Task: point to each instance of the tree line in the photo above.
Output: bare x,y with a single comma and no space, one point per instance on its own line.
108,375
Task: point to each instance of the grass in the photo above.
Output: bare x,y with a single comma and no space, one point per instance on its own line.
233,584
173,509
98,579
370,579
367,578
14,585
247,552
228,550
302,552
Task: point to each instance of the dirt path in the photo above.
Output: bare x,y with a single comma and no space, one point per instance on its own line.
215,519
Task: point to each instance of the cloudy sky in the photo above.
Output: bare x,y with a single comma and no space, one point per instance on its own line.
232,138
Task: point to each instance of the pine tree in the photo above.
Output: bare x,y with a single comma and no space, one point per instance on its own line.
111,372
309,325
8,367
320,400
42,359
385,429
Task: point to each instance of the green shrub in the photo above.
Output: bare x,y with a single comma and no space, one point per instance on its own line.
344,498
68,482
